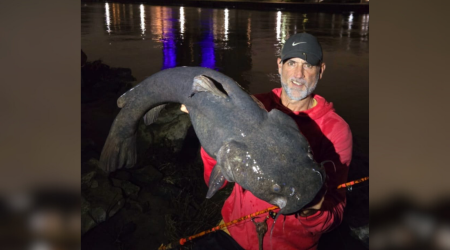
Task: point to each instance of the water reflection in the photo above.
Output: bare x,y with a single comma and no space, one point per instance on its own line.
364,27
182,20
249,31
221,39
350,21
226,18
207,47
279,26
108,19
142,12
156,23
168,39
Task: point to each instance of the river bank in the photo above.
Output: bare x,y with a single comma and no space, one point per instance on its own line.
286,5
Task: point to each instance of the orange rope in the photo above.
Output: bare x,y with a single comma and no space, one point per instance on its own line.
184,240
351,183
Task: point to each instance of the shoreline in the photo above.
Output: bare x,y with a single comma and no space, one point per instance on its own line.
256,5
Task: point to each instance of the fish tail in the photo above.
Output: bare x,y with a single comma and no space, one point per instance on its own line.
118,153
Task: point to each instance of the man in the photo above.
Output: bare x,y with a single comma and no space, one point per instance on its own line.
300,67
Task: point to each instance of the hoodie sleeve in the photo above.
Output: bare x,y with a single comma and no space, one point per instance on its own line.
340,153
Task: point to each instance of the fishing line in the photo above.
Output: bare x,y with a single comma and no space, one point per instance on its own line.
182,241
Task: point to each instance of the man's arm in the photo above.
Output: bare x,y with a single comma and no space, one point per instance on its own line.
331,208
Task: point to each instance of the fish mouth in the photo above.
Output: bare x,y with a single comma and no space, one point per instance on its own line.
280,202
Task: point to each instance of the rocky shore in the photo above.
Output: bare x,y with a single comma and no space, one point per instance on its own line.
158,201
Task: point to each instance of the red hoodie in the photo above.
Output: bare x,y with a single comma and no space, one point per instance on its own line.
330,138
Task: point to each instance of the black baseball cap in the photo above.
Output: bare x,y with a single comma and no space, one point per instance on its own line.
304,46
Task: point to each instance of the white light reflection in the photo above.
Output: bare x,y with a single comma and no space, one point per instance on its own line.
365,25
226,25
182,20
108,19
283,29
141,8
350,22
278,25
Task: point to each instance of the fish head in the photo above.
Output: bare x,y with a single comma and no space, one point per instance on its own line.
275,164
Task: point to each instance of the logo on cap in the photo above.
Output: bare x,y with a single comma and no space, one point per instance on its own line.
293,44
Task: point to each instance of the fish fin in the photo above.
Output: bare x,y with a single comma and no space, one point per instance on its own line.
205,84
151,116
216,181
121,101
116,154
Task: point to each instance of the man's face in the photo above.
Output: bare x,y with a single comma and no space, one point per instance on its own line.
299,78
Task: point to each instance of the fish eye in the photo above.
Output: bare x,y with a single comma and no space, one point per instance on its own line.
276,188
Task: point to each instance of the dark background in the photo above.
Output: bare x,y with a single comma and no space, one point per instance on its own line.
40,96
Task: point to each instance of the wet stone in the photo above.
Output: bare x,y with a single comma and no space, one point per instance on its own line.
122,175
130,189
98,214
166,191
86,179
88,172
361,233
169,130
146,176
116,182
94,184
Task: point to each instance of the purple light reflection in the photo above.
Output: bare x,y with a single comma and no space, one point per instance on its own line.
207,48
169,52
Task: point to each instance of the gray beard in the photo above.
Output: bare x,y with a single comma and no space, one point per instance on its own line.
303,94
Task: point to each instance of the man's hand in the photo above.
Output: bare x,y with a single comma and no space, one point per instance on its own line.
316,204
183,108
312,209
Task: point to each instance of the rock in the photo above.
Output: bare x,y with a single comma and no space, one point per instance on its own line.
151,203
169,130
361,233
88,172
122,175
86,179
116,182
130,189
99,79
166,191
103,201
98,214
91,218
86,220
146,176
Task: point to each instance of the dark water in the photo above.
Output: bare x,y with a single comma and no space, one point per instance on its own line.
240,43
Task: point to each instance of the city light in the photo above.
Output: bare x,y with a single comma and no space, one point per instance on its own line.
182,20
108,20
278,25
226,25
